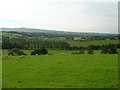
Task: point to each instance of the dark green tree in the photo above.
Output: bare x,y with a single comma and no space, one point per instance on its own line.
90,50
112,50
39,51
109,50
15,50
21,53
104,50
81,51
10,53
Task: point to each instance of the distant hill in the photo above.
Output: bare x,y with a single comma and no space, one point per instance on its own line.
51,31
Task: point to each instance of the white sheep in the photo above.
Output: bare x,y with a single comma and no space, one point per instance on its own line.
22,56
36,54
62,53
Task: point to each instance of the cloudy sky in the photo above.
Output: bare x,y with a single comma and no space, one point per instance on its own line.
65,15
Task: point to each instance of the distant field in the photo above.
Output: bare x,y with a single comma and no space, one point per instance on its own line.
96,42
61,71
78,38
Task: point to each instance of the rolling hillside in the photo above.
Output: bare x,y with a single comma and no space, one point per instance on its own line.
54,31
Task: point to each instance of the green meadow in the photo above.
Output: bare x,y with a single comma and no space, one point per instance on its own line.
95,42
60,71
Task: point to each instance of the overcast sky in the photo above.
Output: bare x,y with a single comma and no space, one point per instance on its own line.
66,15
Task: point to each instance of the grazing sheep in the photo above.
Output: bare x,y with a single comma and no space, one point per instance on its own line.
22,56
4,56
62,53
36,54
10,55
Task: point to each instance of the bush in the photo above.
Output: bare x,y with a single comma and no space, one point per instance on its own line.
15,51
81,51
104,50
90,50
43,51
10,53
110,50
39,51
21,53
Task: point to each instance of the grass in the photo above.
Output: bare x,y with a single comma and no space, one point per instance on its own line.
78,38
95,42
0,70
61,71
12,35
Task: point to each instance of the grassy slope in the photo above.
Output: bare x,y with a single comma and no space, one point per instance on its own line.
60,71
0,70
97,42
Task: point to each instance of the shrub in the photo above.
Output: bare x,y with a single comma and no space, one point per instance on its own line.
39,51
109,50
43,51
104,50
112,50
15,51
10,53
81,51
90,50
21,53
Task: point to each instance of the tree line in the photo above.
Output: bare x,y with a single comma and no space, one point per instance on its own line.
22,43
17,51
94,47
44,51
104,50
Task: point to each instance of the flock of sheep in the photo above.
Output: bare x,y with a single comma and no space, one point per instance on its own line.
6,56
22,56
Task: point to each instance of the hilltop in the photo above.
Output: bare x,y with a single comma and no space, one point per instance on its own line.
53,31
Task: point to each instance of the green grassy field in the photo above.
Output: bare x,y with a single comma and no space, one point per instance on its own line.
95,42
61,71
0,70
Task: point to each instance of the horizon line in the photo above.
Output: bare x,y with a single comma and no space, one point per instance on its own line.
59,30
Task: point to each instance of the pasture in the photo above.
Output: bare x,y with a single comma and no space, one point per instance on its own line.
60,71
95,42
